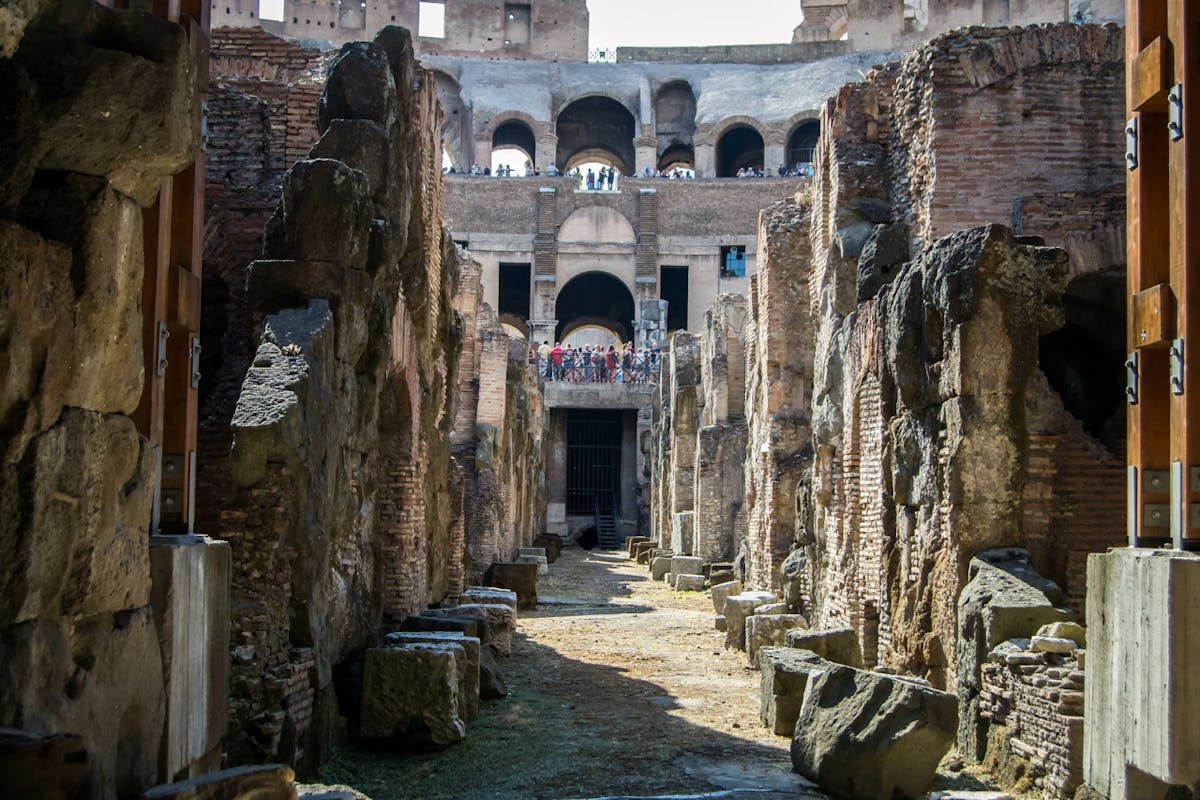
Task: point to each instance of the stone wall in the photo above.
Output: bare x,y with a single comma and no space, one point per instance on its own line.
101,109
914,395
339,515
498,435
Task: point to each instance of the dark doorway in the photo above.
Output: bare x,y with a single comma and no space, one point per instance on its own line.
515,134
596,129
803,142
739,148
674,289
514,290
595,298
593,462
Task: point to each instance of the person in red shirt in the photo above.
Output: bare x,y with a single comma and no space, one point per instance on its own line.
610,363
556,361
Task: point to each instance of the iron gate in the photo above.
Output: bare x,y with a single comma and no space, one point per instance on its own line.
593,460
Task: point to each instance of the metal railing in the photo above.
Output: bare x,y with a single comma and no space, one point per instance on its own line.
638,370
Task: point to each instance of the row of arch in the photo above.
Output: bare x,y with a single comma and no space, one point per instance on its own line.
600,129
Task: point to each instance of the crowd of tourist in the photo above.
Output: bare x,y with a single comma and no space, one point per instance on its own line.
596,364
605,179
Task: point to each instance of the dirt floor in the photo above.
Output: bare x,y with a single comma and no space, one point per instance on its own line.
618,685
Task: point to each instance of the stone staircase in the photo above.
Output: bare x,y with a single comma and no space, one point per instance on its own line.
606,531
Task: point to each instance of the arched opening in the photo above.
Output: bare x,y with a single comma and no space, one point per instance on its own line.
455,129
514,149
401,501
599,127
583,333
595,298
740,147
675,118
1084,360
802,143
680,157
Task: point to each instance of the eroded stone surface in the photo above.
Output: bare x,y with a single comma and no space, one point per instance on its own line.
410,690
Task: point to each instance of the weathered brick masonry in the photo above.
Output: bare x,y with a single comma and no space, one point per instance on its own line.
343,368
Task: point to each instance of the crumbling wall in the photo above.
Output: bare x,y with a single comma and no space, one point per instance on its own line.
340,512
100,108
720,512
497,436
262,112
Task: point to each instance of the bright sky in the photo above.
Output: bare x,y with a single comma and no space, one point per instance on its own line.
662,23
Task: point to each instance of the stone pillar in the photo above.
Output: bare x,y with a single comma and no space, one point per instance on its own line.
542,330
646,149
1143,695
190,599
774,154
556,472
629,474
706,164
547,151
483,153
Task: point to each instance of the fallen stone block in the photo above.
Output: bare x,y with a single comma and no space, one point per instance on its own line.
411,690
736,609
771,608
488,594
468,668
687,565
552,543
495,621
659,567
717,577
543,566
722,590
632,542
56,766
866,736
1049,644
763,630
719,623
839,645
642,551
519,578
491,682
785,673
1065,630
267,782
531,551
689,583
467,626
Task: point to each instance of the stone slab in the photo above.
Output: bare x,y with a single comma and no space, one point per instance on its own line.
498,621
839,645
763,630
468,669
488,594
408,689
659,567
687,565
785,672
736,609
689,583
720,591
519,577
543,566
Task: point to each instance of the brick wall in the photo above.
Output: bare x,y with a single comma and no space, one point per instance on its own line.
1035,703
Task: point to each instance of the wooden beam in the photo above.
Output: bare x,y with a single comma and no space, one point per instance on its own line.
1152,76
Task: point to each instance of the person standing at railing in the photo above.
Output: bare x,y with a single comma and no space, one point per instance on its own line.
585,359
569,364
610,364
556,356
544,358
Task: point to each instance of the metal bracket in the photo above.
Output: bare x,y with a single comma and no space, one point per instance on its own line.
1131,378
195,362
1156,515
1154,481
1176,353
1175,112
1131,144
163,335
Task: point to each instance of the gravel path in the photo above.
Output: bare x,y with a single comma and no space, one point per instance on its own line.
619,686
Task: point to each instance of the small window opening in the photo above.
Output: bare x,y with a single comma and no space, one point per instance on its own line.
517,19
673,287
733,261
431,21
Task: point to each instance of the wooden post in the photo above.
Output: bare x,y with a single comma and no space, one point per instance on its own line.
1163,60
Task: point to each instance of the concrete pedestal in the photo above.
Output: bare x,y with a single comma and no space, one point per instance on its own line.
1143,673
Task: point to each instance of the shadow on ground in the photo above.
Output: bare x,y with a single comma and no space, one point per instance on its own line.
571,729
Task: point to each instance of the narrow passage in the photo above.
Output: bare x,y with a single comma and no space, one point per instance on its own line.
618,686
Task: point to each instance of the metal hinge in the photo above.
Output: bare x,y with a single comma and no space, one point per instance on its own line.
1175,112
1131,378
1131,144
195,362
1176,353
163,335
